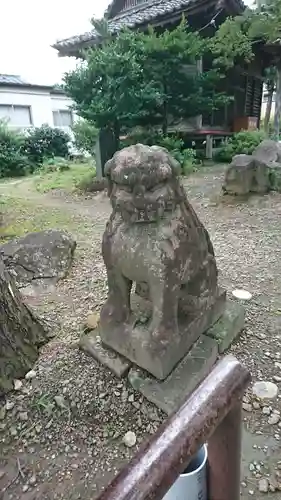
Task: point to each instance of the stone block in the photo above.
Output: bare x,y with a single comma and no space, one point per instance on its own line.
169,394
239,175
91,344
229,326
275,177
254,173
138,346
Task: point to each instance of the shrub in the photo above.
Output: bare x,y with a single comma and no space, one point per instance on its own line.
85,136
60,174
173,143
55,164
91,184
189,161
13,162
243,142
45,142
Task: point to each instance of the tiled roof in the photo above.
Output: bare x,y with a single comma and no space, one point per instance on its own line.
142,14
116,6
12,80
17,81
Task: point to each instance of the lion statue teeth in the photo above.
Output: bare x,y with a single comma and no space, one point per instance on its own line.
154,239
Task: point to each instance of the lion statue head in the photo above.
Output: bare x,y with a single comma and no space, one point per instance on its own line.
142,182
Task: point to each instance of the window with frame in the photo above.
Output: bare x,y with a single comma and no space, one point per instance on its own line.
62,118
16,115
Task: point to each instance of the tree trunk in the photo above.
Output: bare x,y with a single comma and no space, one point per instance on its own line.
268,109
21,333
165,112
117,135
277,103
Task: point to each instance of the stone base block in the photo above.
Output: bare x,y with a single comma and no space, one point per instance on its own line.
91,344
160,358
229,326
275,177
189,373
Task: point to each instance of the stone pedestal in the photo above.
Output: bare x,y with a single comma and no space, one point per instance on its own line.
137,344
170,393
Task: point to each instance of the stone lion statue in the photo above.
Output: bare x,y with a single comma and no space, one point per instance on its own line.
154,238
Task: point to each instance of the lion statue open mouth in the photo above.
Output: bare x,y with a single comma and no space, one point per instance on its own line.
155,239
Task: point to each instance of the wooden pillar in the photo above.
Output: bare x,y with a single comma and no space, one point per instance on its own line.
209,147
106,146
277,103
99,170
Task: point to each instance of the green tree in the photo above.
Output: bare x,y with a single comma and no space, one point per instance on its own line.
239,37
144,79
173,63
85,136
102,29
108,88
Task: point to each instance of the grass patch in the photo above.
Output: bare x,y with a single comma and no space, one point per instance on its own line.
67,180
90,184
24,216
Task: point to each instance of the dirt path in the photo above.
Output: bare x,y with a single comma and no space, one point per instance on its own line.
70,451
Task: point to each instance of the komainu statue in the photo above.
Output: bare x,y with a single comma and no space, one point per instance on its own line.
155,239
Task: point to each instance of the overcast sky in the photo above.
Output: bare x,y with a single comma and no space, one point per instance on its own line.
28,28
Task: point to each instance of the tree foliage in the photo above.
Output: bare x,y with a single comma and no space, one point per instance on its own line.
13,161
239,38
21,152
144,79
85,136
243,142
45,142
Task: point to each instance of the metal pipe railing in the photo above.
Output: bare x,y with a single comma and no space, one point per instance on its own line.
212,414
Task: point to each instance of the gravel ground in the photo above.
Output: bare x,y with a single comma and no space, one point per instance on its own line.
63,430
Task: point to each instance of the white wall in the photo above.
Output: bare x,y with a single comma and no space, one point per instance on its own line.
41,102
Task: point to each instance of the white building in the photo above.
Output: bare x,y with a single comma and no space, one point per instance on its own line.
25,105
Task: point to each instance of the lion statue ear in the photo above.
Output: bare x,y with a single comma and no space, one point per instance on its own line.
175,166
173,163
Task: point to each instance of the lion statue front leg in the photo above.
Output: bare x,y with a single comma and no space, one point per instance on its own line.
164,293
117,306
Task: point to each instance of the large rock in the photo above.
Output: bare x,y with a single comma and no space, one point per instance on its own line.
256,173
154,237
267,158
239,177
40,255
268,151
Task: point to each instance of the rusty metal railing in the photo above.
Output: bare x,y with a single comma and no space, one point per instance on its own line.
212,414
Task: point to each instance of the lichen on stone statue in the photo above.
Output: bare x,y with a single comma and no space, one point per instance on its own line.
155,239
